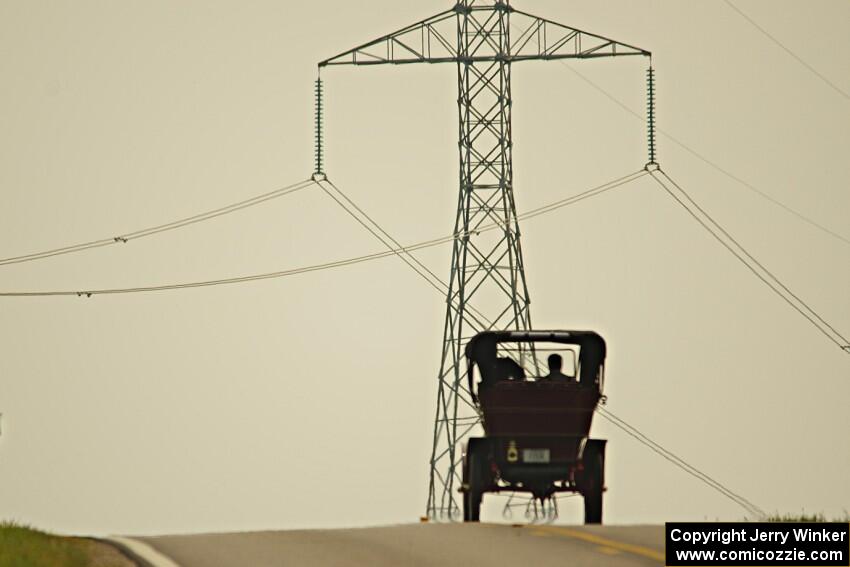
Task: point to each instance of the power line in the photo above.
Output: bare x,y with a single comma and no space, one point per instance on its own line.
766,276
234,280
583,195
788,51
392,244
431,276
383,236
327,265
709,162
679,462
150,231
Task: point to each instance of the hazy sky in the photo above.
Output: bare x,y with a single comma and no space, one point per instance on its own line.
308,401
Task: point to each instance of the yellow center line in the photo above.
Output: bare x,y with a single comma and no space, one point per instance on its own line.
603,541
608,550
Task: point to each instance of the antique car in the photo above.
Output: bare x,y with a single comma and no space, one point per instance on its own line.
536,426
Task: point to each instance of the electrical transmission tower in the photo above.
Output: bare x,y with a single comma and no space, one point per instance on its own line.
483,38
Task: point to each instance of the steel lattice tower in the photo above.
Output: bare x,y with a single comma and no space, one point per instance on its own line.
483,38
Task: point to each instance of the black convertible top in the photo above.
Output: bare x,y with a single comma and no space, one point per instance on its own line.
481,349
580,338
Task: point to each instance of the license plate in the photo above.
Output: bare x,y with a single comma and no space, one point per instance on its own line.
535,455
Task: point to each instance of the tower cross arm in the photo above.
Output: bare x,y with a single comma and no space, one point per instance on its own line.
432,40
534,38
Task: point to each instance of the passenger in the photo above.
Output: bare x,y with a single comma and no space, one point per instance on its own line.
508,369
500,370
491,367
555,363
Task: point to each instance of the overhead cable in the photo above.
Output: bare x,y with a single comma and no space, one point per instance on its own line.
150,231
732,245
234,280
799,60
391,243
709,162
579,197
333,264
634,432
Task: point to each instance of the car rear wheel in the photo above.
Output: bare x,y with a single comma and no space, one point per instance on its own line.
593,483
474,473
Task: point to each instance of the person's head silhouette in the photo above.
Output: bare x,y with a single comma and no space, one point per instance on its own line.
555,363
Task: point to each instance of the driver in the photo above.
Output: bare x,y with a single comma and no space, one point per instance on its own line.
555,363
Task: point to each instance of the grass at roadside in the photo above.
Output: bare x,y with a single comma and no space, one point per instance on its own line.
803,517
21,546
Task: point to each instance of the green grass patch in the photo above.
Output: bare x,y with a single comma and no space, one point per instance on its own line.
22,546
804,517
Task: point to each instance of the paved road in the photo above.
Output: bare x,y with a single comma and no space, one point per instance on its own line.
443,545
